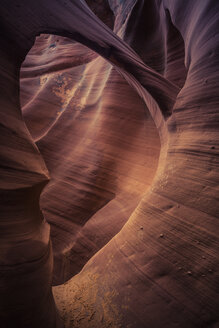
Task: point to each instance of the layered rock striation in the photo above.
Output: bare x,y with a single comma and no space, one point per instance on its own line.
109,163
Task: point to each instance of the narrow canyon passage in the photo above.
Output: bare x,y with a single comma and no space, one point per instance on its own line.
109,164
100,147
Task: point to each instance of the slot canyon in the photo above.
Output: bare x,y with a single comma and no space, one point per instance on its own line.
109,166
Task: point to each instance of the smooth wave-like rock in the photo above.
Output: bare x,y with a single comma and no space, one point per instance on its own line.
109,133
100,156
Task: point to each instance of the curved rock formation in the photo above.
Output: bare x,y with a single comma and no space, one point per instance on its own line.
120,104
101,155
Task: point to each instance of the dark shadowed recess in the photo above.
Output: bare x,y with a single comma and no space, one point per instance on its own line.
103,11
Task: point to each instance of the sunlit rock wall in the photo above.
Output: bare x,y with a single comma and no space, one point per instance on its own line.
118,106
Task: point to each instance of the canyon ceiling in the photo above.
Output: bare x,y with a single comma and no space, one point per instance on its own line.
109,180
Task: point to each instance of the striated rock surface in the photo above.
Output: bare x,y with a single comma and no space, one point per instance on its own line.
116,102
106,150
